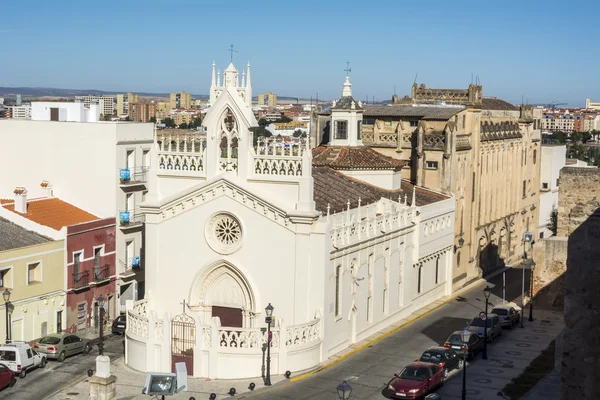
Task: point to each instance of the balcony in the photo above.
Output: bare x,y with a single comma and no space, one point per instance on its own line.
130,221
130,266
133,177
101,274
81,279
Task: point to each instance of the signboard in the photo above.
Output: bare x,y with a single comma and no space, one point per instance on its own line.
482,316
81,316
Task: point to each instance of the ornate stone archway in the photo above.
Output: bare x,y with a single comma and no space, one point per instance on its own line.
224,287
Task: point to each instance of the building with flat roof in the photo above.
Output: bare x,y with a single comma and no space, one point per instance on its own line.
267,99
592,105
142,111
65,111
106,103
180,100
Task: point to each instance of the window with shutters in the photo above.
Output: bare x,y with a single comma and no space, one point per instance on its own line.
341,130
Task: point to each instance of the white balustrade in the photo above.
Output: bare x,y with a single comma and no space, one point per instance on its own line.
185,152
278,158
303,334
249,338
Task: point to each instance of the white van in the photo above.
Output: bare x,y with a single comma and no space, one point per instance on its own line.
20,358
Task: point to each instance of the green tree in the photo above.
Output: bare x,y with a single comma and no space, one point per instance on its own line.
169,122
553,224
262,122
183,125
297,133
559,137
152,119
284,120
258,132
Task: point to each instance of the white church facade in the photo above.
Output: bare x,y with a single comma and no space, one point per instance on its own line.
231,227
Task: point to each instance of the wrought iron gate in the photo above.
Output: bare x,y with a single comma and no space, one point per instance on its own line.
183,340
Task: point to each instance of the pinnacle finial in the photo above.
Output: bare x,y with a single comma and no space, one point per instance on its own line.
414,197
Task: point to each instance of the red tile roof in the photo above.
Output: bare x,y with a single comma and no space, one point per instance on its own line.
340,157
52,212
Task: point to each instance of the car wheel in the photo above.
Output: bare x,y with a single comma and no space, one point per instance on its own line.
13,382
43,363
87,349
61,356
23,374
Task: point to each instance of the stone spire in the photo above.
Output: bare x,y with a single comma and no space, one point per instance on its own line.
214,75
347,88
248,86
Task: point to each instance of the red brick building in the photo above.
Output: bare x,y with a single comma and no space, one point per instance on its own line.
90,273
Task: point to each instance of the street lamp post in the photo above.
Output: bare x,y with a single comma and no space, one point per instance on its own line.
531,292
268,320
344,390
486,293
6,296
465,335
100,301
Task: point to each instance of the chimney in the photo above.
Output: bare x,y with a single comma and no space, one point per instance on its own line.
47,188
21,200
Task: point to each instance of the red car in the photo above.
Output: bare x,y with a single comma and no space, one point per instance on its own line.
416,380
7,377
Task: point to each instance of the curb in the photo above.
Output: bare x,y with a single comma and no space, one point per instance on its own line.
453,296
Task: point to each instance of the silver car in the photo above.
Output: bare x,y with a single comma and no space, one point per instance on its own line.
494,329
58,346
509,316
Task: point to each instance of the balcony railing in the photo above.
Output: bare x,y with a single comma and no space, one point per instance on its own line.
81,279
132,176
128,219
131,265
102,274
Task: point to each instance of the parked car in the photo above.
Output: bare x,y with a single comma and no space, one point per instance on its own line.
20,358
508,315
445,358
119,325
7,377
416,380
58,346
494,329
455,342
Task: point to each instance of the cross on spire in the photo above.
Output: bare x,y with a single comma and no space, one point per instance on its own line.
348,69
184,304
231,51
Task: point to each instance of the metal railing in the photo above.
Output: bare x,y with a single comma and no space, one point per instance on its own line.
81,279
101,274
129,219
132,176
131,264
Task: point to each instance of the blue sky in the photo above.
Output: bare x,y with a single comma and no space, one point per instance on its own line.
542,50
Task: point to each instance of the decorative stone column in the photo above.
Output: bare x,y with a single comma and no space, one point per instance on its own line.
103,385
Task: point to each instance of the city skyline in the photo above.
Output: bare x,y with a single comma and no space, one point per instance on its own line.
515,51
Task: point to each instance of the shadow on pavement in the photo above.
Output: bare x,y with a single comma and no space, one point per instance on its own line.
442,328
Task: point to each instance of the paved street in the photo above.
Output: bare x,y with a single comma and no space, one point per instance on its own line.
40,383
369,371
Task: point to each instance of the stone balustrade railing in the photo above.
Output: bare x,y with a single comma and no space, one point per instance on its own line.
307,333
137,325
185,152
249,338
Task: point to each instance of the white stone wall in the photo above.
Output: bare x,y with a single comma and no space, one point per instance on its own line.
553,160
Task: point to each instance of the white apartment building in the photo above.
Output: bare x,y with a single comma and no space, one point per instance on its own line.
559,122
106,103
83,164
553,160
20,112
64,111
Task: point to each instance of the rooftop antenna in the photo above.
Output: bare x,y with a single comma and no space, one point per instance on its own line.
231,51
416,76
348,69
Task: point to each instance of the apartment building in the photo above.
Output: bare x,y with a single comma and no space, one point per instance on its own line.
123,101
97,167
142,111
18,112
180,100
105,103
592,105
32,269
267,99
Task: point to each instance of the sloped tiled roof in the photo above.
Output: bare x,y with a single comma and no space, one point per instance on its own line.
419,112
12,236
53,213
345,103
497,104
341,157
335,189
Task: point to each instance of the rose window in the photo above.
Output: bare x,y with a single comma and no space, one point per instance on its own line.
224,233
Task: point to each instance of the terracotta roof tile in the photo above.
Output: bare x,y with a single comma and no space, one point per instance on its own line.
53,213
497,104
335,189
340,157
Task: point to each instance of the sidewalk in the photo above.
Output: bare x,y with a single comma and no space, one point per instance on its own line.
130,382
507,358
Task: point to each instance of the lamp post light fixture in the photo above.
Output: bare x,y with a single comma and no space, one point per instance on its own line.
344,390
100,301
465,336
486,292
6,296
532,264
268,320
461,242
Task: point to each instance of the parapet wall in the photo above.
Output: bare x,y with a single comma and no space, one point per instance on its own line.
577,198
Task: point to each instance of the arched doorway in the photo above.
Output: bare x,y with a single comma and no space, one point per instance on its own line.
223,291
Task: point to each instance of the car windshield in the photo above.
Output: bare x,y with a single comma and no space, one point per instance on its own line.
7,355
413,373
50,340
432,357
478,322
500,311
456,339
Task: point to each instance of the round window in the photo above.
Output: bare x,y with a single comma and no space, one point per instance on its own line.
224,233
